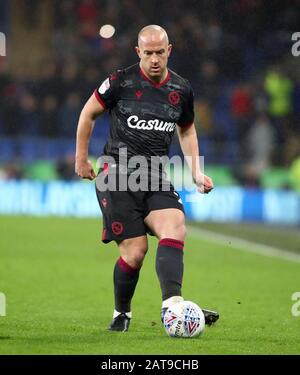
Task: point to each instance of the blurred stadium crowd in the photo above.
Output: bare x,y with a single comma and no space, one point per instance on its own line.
236,54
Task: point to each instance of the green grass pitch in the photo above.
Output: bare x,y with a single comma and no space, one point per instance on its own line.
57,278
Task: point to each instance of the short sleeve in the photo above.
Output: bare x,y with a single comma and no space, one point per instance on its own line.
187,116
107,92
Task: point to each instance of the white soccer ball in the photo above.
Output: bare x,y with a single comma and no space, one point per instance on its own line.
184,319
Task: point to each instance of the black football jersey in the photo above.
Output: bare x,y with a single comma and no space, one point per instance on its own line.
143,114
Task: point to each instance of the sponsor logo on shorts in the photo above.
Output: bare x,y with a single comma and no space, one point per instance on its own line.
117,228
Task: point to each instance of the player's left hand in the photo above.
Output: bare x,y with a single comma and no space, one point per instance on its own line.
204,184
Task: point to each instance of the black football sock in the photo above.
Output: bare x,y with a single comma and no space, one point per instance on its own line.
125,280
169,267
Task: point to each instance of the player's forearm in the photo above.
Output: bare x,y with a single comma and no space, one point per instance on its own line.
91,110
190,148
84,132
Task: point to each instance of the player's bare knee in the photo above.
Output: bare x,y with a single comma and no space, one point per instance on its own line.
137,252
175,230
178,232
183,232
137,257
133,251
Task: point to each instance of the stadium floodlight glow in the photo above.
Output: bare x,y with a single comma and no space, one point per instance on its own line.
107,31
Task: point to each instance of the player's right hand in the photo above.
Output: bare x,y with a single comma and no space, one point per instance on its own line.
84,169
204,184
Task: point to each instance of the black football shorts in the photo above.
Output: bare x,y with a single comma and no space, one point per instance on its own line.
124,211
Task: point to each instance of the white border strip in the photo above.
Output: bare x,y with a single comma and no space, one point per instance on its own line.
241,244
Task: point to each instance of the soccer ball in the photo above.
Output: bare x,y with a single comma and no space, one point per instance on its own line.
184,319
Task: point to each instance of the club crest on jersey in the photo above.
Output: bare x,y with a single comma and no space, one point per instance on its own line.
174,97
104,86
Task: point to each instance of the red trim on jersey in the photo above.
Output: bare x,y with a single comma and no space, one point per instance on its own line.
157,85
186,126
126,267
99,99
170,242
104,234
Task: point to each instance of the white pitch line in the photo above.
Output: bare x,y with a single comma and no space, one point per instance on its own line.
241,244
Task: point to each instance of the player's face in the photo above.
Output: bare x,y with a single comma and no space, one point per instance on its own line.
154,57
